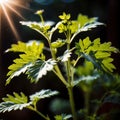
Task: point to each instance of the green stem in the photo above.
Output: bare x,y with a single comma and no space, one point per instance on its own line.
57,72
39,113
43,116
42,20
72,103
77,61
70,89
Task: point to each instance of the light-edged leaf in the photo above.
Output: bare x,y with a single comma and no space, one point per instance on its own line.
40,68
89,26
14,102
63,117
86,78
43,94
9,106
43,29
84,19
66,55
30,53
56,27
66,117
83,24
17,71
39,24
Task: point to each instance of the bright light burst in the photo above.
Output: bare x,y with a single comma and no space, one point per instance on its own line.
10,5
3,1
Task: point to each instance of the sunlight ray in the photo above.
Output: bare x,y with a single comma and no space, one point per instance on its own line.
10,23
12,9
3,1
11,5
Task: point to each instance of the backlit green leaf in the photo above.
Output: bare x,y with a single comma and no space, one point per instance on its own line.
14,102
31,46
83,20
108,65
30,53
43,94
98,53
65,17
16,98
66,55
86,79
9,106
86,42
39,69
43,29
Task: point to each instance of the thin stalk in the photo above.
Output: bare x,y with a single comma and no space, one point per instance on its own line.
43,116
39,113
77,61
72,103
42,20
70,89
57,72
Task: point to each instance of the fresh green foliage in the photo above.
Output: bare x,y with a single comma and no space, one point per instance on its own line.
98,53
43,94
39,69
29,53
18,102
14,102
33,62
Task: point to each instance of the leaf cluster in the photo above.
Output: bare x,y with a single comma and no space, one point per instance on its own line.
97,53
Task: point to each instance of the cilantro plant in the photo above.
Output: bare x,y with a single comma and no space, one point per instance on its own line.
33,62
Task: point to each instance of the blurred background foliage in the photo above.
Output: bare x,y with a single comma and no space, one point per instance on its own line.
105,10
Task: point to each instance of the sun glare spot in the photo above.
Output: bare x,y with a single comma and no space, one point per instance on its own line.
3,1
11,5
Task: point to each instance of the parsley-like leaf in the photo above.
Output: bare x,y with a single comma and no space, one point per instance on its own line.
43,94
98,53
30,53
39,69
14,102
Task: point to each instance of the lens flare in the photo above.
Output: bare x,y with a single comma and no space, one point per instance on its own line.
11,5
3,1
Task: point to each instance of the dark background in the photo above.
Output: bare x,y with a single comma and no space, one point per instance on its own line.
105,10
